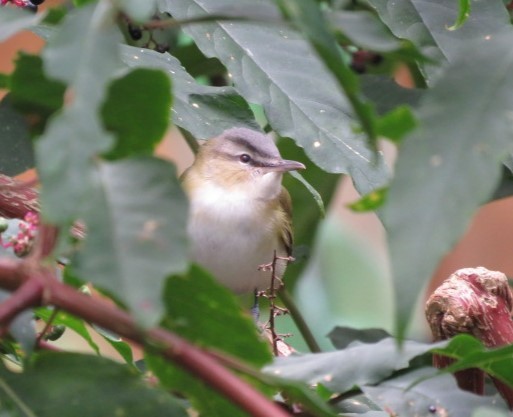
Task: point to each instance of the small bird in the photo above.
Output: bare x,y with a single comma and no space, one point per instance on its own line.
240,214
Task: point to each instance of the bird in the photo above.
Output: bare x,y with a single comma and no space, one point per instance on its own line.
239,212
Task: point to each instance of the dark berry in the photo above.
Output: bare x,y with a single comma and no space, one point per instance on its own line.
37,2
135,32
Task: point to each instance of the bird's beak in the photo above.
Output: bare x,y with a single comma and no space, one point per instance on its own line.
283,165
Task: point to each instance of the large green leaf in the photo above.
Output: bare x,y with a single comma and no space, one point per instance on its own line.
137,111
274,66
70,385
470,353
359,364
202,110
84,54
438,396
428,25
364,29
202,311
136,221
308,18
450,165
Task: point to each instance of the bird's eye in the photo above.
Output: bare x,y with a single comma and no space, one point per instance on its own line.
245,158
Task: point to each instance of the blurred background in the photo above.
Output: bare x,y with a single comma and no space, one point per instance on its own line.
347,280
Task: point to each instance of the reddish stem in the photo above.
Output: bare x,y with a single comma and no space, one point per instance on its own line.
17,198
171,346
475,301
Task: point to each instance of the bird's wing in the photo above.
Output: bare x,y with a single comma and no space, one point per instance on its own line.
287,235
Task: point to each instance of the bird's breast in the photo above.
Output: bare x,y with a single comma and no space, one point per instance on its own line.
231,235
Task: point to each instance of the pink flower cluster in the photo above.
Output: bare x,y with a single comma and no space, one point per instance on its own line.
22,242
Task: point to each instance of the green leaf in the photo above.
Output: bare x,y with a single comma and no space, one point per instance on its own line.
364,29
315,194
273,66
32,92
83,54
396,124
72,322
137,110
202,110
342,337
339,371
71,384
207,314
386,94
15,19
307,17
470,353
450,165
17,153
463,14
371,201
425,23
136,219
440,394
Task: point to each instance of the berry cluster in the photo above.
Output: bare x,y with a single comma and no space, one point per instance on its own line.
25,4
22,242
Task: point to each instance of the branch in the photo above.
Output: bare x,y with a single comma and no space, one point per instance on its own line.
478,302
17,198
170,346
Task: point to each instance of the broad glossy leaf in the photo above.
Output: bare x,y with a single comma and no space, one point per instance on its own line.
135,221
275,67
137,110
487,20
308,18
470,353
15,19
404,21
207,314
428,25
439,396
71,384
202,110
33,93
386,94
450,165
17,153
359,364
364,29
83,54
